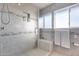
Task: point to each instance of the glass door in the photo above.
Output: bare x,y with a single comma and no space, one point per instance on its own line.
61,26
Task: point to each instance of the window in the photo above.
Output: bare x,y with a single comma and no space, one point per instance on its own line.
74,17
40,22
48,20
45,21
61,19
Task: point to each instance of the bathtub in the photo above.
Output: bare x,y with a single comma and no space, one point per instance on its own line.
45,44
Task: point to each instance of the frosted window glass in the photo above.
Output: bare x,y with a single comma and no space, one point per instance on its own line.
74,17
61,19
40,22
48,21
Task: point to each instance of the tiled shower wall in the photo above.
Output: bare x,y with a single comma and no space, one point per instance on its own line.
18,36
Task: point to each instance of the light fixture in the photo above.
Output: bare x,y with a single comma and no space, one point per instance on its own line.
19,4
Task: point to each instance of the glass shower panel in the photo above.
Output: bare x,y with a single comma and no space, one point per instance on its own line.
40,22
61,26
57,38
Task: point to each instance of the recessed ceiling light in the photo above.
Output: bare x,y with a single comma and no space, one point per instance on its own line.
19,4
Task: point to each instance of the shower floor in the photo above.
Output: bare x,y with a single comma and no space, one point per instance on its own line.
36,52
40,52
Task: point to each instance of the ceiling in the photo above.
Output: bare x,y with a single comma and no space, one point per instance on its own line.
37,5
41,5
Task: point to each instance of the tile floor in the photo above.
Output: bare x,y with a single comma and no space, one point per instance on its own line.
57,51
